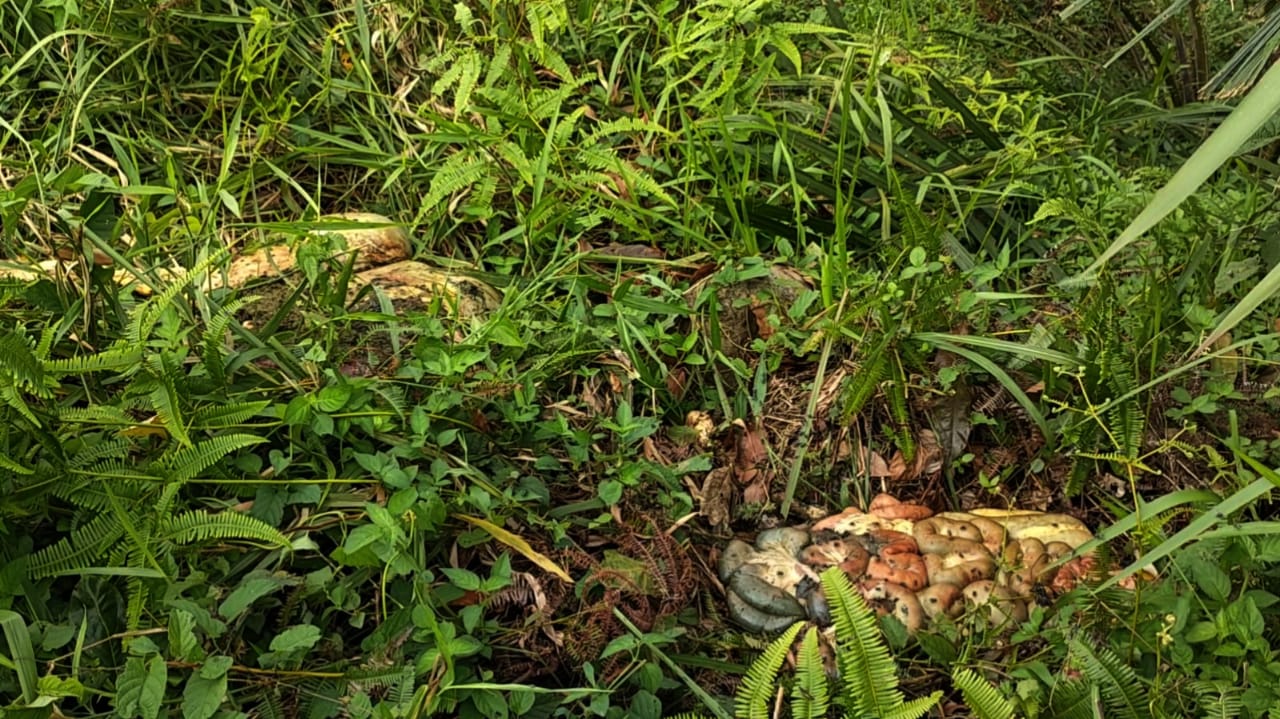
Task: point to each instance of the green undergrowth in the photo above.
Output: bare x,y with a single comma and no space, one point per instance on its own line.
322,510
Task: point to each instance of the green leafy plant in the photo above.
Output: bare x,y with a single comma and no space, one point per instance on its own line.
866,677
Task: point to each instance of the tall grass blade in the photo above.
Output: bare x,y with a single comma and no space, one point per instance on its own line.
1253,112
21,653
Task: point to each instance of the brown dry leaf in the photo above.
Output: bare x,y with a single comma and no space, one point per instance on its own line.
928,459
757,492
760,312
872,464
677,382
715,496
616,383
897,467
750,446
650,450
929,455
591,399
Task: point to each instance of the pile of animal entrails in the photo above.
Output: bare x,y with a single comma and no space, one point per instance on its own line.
908,562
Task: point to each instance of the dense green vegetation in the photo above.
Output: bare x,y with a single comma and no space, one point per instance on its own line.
825,227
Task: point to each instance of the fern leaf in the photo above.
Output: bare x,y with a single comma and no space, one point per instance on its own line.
227,415
200,526
111,415
984,699
187,462
144,319
457,173
215,335
270,706
868,677
863,386
13,397
915,708
13,465
760,682
79,550
119,357
1121,689
393,395
17,359
810,695
1218,700
98,452
1071,699
166,400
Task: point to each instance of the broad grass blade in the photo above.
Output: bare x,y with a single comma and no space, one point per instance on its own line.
1252,113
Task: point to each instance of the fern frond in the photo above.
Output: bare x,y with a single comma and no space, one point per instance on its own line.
122,356
984,699
915,708
12,396
227,415
1121,689
90,492
98,414
760,682
1073,699
187,462
896,394
458,172
810,695
121,470
165,398
13,465
270,706
145,317
99,451
17,359
200,526
393,395
1125,420
868,677
863,385
1218,700
77,551
397,680
214,337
